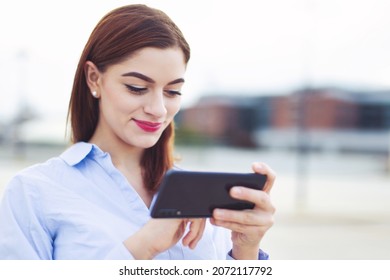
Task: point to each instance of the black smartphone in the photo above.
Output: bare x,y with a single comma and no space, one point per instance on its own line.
189,194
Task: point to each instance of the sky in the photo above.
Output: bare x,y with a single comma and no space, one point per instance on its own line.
246,47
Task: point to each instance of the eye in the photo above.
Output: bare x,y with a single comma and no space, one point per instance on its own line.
136,89
173,93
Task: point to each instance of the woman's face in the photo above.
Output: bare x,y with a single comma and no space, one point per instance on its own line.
139,97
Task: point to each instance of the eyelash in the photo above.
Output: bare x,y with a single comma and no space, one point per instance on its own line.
140,91
136,90
173,92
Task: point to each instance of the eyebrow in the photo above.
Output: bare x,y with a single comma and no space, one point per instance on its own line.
148,79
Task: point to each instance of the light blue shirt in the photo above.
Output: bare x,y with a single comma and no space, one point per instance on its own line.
79,206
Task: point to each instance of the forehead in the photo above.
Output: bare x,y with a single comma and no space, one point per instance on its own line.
158,64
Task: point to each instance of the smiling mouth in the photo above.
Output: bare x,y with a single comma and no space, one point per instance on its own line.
148,126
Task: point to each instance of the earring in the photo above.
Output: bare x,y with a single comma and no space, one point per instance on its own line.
94,94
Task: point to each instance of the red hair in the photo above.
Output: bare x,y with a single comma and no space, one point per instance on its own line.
115,38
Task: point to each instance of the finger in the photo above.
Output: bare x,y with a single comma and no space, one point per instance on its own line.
195,232
262,168
261,199
235,227
225,219
194,242
244,217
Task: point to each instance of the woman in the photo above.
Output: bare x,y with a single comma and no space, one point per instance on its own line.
92,202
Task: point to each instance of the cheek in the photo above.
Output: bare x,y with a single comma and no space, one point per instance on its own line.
118,100
173,107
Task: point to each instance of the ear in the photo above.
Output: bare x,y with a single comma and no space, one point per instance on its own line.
92,75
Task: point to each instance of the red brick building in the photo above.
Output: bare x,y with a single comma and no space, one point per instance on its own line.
333,117
315,109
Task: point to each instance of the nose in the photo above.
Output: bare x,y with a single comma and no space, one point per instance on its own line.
155,105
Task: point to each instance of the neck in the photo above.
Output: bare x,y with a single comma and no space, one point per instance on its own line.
123,156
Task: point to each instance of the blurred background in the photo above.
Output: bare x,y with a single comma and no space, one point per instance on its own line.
303,85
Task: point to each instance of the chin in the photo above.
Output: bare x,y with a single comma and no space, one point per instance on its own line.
146,144
141,141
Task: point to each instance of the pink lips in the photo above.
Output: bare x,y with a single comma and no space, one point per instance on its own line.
148,126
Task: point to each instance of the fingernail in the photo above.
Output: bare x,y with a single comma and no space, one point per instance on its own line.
258,165
236,190
218,213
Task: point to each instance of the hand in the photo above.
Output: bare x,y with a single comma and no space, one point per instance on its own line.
248,226
158,235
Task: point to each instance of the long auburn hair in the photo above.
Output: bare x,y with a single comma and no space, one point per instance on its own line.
115,38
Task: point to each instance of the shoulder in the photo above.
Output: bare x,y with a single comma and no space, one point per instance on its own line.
33,176
56,174
56,167
52,170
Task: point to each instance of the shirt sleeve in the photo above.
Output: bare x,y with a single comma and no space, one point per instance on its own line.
119,252
22,231
262,256
223,243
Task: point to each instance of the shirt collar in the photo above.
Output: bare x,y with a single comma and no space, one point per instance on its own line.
77,152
